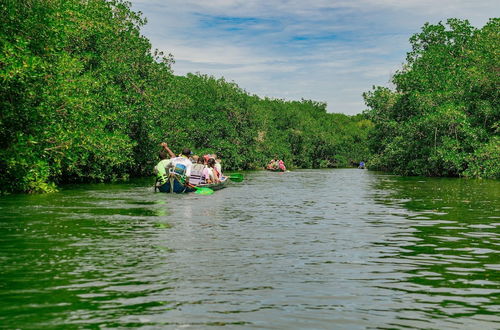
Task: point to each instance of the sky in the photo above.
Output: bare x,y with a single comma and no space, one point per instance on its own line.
327,51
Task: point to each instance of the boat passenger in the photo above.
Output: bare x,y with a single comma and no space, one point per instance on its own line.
196,177
217,171
161,169
274,164
217,166
281,165
167,149
210,173
180,165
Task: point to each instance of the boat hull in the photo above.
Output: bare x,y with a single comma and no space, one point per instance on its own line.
173,185
275,170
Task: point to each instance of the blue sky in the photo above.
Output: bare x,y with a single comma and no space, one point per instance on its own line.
328,51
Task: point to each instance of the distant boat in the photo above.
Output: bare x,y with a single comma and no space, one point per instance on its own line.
276,166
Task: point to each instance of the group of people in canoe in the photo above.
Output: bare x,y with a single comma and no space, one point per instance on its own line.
276,165
187,169
187,172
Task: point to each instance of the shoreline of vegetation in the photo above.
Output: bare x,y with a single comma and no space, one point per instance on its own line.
443,117
84,98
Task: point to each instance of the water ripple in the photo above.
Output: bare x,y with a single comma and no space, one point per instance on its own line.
303,249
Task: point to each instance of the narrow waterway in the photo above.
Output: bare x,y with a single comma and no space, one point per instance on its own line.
307,249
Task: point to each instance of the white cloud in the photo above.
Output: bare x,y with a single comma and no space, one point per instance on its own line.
323,50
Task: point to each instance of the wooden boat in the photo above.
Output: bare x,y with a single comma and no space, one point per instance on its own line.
173,185
275,170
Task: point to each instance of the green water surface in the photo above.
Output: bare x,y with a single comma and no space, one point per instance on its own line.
307,249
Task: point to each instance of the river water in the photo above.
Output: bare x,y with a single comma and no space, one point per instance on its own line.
307,249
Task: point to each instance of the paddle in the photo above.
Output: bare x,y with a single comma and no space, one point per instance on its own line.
236,177
202,190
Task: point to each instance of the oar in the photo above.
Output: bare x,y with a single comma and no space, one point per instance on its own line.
236,177
202,190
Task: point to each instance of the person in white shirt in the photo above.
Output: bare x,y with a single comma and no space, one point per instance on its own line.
181,165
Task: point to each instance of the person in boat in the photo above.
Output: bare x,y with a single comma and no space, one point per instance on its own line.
217,166
281,165
162,168
210,173
361,165
273,164
181,165
167,149
196,176
217,169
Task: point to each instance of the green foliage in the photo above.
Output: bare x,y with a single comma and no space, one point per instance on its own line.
443,117
72,77
84,98
484,161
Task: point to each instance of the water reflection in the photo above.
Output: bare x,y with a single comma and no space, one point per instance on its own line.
449,249
303,249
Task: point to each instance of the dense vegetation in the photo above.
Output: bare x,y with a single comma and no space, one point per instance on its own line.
443,118
84,98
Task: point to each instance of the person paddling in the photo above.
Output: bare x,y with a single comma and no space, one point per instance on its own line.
161,169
